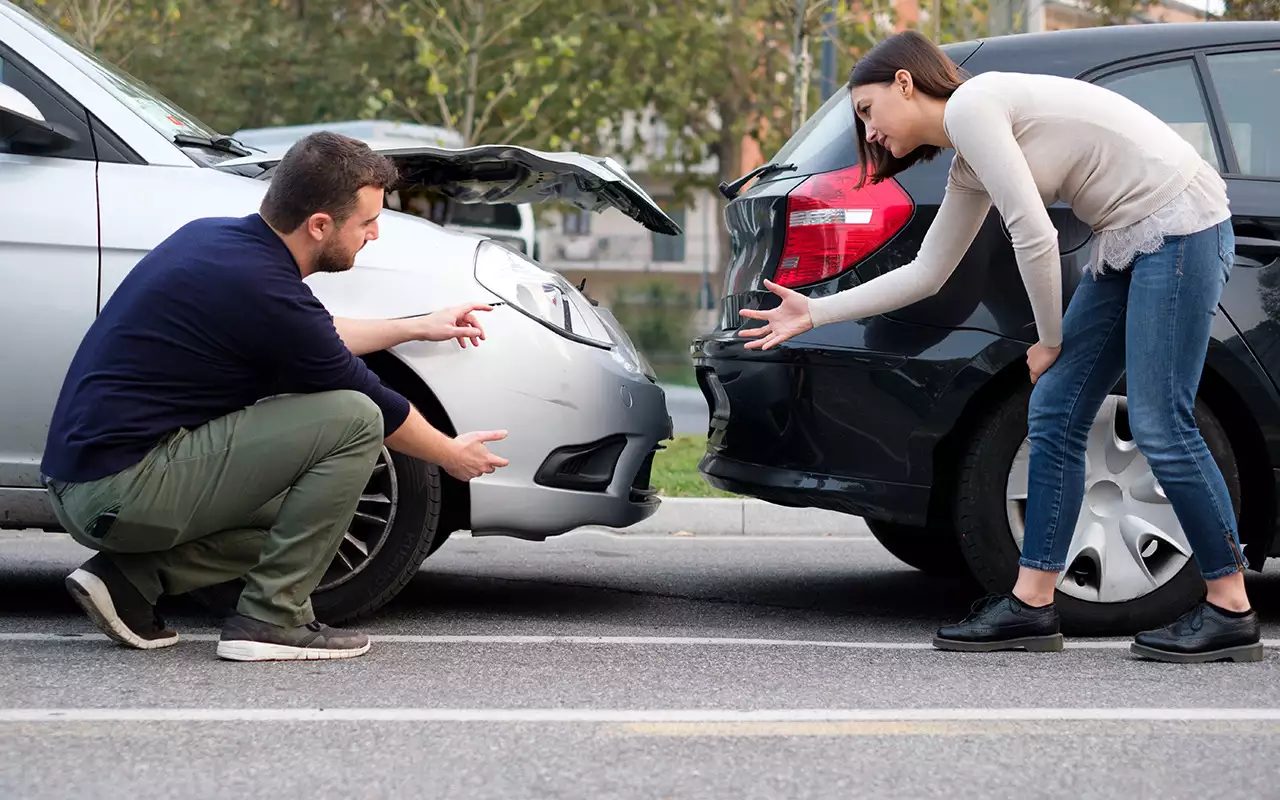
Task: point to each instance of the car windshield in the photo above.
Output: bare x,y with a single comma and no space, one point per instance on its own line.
157,110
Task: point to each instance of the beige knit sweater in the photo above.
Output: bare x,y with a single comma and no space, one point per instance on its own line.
1023,142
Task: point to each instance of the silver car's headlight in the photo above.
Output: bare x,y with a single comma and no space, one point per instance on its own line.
625,353
546,296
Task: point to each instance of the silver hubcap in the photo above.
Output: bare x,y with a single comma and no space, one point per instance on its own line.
1127,541
370,527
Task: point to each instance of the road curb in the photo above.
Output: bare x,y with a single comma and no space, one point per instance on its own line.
707,516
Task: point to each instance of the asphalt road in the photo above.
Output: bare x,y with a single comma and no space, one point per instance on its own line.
596,666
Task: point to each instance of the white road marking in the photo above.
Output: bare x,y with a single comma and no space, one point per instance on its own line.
607,715
694,536
677,641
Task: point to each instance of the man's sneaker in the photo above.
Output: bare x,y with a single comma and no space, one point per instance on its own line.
116,606
1204,633
248,639
1003,622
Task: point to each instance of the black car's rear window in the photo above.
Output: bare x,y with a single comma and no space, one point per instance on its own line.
827,140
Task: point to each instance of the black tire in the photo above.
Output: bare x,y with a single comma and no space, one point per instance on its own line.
413,530
413,535
929,549
988,542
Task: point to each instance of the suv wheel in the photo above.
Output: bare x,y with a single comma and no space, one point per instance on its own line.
1129,565
929,549
396,526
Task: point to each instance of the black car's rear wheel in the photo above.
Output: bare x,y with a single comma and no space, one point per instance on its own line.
1129,566
932,549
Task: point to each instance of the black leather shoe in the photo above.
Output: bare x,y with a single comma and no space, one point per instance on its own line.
1203,634
1003,622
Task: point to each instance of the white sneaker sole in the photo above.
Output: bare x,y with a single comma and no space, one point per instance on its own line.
91,594
242,650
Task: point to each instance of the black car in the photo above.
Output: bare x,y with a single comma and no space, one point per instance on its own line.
917,420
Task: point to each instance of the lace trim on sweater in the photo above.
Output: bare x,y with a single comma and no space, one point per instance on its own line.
1202,204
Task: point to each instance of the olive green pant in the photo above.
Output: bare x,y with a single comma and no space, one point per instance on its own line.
265,493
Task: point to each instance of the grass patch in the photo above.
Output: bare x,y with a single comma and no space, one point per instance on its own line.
674,371
675,470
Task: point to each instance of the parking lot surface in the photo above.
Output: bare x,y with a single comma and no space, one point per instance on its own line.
603,666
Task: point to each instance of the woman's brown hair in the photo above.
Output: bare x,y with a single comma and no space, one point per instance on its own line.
932,72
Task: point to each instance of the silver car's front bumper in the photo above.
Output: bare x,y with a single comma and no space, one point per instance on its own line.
581,429
595,471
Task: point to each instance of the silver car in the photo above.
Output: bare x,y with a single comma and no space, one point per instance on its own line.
96,169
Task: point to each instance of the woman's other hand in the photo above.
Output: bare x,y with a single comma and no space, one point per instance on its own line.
1040,358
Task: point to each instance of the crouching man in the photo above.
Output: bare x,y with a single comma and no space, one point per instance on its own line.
216,421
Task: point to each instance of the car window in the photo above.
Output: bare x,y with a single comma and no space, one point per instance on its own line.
1248,86
1172,93
826,141
61,111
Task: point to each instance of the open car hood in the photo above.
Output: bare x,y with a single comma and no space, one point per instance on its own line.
510,174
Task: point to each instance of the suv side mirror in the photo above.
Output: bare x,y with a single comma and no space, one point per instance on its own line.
24,128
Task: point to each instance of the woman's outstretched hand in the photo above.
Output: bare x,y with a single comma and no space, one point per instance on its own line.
788,319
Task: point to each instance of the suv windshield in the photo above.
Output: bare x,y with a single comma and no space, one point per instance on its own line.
157,110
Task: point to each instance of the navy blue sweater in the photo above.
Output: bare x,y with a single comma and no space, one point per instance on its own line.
212,320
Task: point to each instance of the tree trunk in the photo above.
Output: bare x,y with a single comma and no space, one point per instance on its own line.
473,71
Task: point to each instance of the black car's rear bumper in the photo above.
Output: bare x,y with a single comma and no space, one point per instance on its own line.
851,429
859,496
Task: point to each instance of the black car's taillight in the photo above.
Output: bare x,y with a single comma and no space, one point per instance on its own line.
831,225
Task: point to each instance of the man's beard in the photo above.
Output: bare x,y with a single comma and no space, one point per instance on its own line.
333,259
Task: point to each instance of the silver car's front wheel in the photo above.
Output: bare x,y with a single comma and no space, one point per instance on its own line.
1127,541
370,527
396,526
1129,565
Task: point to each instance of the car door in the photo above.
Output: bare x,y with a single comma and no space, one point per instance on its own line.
48,268
1244,86
510,174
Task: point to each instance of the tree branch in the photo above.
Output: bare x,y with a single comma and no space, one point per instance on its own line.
524,123
507,86
515,20
442,20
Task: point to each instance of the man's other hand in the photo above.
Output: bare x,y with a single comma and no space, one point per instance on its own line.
469,458
455,322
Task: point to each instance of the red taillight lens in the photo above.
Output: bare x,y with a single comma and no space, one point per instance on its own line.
831,225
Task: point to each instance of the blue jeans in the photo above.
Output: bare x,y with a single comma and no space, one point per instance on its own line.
1149,322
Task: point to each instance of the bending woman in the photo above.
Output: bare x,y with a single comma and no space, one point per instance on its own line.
1164,251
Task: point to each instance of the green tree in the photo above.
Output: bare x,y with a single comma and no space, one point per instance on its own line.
239,63
484,68
1252,9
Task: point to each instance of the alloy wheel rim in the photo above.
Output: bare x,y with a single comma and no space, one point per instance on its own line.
370,527
1127,540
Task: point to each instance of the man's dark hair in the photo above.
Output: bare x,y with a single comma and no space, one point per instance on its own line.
932,72
323,173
